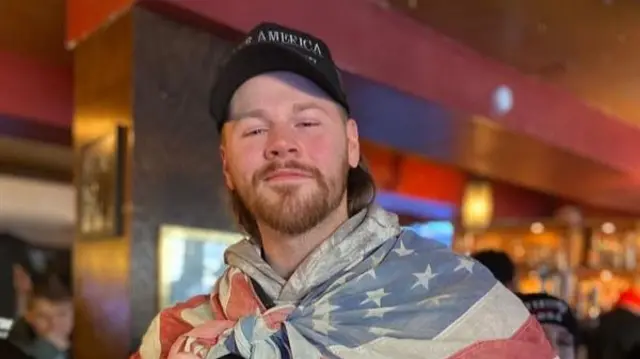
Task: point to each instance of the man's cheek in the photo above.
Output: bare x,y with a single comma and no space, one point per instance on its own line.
42,327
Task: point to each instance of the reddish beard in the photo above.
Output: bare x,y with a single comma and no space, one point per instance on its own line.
291,211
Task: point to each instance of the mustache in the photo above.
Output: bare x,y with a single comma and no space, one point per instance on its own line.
272,167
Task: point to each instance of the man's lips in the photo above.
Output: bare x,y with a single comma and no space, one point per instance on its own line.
286,174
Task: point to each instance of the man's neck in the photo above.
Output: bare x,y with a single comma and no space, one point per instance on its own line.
285,253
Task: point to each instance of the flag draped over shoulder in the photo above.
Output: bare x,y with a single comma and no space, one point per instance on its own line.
408,298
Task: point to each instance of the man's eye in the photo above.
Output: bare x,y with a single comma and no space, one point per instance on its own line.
308,124
255,132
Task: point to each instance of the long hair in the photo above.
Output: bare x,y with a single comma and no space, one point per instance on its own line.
361,192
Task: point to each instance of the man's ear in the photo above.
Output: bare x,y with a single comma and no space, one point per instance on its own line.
353,143
225,167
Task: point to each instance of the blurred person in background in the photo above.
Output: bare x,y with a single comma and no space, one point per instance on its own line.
558,322
44,332
15,277
500,265
23,286
618,333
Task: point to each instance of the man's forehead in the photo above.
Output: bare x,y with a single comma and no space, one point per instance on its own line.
275,87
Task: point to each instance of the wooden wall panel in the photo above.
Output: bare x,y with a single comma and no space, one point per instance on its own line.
152,76
177,172
101,266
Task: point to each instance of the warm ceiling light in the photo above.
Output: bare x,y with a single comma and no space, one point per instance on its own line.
608,228
537,228
477,205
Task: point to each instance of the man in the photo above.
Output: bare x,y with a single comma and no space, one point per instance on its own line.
325,273
45,330
500,265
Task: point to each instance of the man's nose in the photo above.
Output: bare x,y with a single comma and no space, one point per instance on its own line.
282,144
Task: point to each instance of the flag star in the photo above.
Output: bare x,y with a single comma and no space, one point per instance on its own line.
375,296
424,278
323,325
402,251
465,263
377,312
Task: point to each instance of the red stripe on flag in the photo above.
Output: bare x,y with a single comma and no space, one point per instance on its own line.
529,342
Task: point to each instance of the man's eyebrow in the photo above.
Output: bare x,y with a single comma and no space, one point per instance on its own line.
262,114
257,113
299,107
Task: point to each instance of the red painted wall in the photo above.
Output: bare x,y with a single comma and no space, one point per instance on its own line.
36,91
511,201
516,202
86,16
417,177
413,176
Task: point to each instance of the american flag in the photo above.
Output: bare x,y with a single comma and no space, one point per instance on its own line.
409,298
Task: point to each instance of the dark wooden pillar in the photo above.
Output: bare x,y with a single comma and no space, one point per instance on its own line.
150,76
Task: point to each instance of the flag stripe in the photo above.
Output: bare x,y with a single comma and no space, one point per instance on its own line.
499,314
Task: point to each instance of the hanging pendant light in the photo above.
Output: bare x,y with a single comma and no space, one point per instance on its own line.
477,206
